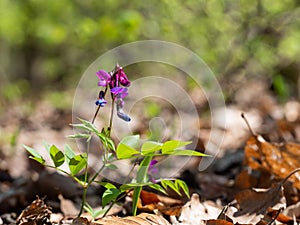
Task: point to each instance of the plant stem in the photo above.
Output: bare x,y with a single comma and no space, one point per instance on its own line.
141,177
111,115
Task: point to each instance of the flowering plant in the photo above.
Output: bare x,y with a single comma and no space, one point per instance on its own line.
130,147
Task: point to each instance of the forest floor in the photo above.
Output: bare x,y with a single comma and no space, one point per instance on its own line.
252,179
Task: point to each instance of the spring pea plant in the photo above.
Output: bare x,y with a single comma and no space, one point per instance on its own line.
115,84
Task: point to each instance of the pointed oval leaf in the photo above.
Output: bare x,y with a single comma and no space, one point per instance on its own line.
187,153
57,156
109,195
169,146
77,163
132,141
126,152
35,155
150,147
79,135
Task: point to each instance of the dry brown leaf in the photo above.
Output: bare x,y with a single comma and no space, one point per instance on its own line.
277,159
258,202
37,213
195,213
218,222
166,205
142,219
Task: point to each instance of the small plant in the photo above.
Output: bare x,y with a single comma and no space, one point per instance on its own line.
115,84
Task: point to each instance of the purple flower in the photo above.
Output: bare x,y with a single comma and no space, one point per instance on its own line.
152,170
119,92
123,78
120,113
104,78
101,101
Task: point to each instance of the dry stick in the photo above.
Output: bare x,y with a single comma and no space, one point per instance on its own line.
248,125
275,217
288,176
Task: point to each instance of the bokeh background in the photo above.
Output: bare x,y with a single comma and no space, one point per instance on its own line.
47,45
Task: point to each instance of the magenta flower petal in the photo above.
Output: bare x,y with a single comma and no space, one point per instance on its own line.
104,78
123,78
119,92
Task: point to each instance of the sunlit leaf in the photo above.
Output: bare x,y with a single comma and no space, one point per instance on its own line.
47,146
79,135
158,188
132,141
125,151
57,156
188,153
107,185
169,146
34,155
170,184
150,147
77,163
126,187
180,184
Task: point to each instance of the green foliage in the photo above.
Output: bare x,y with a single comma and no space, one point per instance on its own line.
62,37
35,155
75,162
57,156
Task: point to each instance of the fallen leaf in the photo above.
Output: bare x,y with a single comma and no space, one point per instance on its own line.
278,159
257,202
218,222
167,206
195,213
142,219
37,212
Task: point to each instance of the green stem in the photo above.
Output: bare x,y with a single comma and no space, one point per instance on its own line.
141,178
111,115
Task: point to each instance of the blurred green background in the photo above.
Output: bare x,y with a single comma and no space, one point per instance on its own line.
47,45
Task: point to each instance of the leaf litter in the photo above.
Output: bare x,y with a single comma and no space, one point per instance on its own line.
256,190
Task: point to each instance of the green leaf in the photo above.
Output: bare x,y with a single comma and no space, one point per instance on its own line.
125,151
169,146
187,153
82,127
79,135
158,188
90,126
107,185
126,187
171,184
141,177
35,155
150,147
131,141
109,195
57,156
180,184
92,212
46,146
111,166
110,144
77,163
69,153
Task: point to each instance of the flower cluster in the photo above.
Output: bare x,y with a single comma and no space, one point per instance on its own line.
117,82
